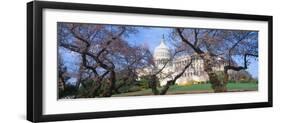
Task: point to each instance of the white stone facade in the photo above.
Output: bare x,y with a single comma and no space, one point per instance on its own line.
193,74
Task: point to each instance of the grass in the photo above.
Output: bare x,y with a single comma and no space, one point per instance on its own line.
199,88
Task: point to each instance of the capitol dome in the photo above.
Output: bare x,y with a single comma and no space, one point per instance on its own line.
162,51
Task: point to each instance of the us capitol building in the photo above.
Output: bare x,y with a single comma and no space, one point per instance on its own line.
194,74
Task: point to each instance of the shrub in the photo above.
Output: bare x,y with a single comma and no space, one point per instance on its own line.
69,90
186,83
143,83
134,88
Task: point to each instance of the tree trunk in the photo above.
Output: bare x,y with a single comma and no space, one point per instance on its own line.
153,85
217,85
94,89
107,88
167,86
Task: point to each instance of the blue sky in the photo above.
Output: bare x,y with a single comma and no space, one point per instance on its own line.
150,36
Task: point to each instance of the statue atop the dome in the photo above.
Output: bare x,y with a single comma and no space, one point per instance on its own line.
163,42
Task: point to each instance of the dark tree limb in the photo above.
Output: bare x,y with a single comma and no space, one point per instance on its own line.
197,50
238,68
172,82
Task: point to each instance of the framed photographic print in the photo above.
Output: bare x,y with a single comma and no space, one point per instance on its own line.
94,61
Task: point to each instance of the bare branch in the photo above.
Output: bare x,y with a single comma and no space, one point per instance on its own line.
197,50
171,82
238,68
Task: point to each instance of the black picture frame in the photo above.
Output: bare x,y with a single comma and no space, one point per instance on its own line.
35,69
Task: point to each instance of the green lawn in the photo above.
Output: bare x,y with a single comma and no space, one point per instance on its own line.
200,88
